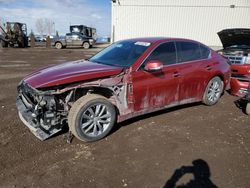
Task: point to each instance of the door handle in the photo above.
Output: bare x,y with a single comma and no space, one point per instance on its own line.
176,74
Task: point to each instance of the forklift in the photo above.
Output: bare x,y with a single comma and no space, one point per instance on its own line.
14,33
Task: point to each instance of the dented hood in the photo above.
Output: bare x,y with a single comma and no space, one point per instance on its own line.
70,72
234,37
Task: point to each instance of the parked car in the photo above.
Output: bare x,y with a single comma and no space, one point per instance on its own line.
73,39
40,38
236,47
246,99
127,79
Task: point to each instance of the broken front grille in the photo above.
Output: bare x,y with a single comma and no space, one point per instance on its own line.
235,59
27,94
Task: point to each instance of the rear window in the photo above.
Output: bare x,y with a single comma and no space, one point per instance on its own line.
205,52
188,51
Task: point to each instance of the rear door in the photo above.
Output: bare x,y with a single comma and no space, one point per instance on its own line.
77,40
69,40
195,70
157,89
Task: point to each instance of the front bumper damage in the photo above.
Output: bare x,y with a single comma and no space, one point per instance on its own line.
41,124
32,123
240,85
45,111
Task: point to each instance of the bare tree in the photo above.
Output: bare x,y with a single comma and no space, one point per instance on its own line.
45,26
49,24
40,26
1,24
1,21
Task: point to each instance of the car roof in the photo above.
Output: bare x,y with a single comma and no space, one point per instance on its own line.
158,39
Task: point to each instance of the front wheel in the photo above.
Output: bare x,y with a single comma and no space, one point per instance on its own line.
86,45
91,117
58,45
213,91
20,44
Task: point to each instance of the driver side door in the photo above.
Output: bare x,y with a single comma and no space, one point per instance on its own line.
157,89
69,40
77,41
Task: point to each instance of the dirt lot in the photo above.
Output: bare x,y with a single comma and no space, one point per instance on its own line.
142,152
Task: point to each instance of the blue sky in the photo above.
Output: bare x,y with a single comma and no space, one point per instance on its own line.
94,13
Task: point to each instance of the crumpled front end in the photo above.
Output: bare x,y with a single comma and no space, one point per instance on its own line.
39,111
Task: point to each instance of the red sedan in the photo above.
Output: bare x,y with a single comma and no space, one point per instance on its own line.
127,79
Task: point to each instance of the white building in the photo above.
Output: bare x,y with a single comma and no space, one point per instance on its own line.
195,19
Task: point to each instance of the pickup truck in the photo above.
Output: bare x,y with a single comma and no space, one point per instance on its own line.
73,39
236,47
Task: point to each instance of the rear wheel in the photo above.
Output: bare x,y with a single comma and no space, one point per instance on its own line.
91,117
20,44
58,45
248,109
26,42
213,91
86,45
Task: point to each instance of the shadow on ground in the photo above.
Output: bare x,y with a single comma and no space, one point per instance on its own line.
200,171
241,104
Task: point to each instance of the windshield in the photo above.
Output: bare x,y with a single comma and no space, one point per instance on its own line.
122,54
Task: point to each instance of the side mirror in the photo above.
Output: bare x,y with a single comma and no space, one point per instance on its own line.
153,65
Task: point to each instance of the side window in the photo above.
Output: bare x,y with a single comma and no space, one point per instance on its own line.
188,51
205,52
68,36
75,37
166,53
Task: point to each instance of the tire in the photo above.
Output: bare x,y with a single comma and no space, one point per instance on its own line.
26,42
248,109
86,45
213,91
84,118
58,45
20,44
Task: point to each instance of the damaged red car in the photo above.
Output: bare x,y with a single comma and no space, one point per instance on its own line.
127,79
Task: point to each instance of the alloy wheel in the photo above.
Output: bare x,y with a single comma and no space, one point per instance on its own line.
95,120
214,91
